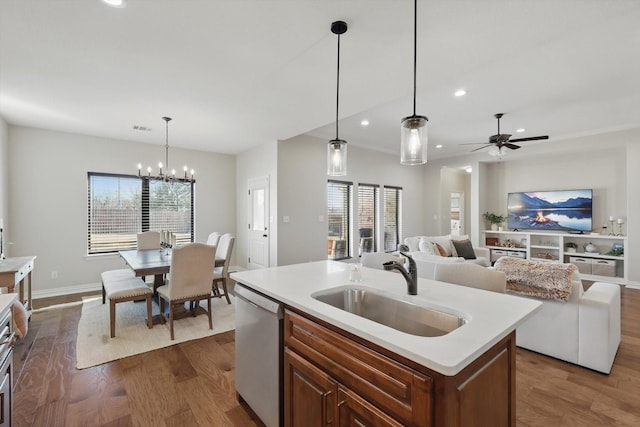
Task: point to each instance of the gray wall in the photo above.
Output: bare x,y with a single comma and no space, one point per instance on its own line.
258,162
48,199
4,176
302,194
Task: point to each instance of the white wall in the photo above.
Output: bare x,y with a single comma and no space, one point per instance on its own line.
48,199
632,225
257,162
4,179
302,194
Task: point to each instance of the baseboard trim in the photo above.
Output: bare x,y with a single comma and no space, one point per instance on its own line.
66,290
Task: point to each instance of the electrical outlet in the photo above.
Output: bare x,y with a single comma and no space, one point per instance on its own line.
54,275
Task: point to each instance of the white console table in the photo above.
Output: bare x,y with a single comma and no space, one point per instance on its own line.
552,247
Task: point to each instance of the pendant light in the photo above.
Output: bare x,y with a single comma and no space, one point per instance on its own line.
337,148
413,130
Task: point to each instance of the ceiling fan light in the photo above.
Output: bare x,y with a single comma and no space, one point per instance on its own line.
413,140
337,157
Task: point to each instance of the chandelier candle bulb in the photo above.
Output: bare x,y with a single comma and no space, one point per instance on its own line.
139,168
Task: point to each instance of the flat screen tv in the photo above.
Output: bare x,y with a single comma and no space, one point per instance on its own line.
563,210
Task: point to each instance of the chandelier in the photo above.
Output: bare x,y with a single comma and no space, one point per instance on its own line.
168,174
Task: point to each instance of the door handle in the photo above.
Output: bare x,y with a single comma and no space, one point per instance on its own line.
264,235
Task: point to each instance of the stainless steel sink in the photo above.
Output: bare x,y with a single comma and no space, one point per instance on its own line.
401,315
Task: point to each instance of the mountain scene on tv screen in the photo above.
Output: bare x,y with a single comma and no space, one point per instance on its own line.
551,210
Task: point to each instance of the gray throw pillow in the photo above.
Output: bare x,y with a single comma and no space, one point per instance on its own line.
464,249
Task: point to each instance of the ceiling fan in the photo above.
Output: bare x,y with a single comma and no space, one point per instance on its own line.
500,140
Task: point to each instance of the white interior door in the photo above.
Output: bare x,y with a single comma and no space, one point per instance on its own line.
258,223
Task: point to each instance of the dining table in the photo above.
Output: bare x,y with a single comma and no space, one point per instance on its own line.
157,263
153,262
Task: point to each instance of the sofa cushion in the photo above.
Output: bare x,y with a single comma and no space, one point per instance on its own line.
464,248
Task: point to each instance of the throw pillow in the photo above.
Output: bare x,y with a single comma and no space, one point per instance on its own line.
441,250
444,242
428,247
20,319
464,249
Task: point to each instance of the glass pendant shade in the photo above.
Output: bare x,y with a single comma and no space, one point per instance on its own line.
337,157
413,136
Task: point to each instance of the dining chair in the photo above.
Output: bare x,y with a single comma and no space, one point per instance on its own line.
471,275
221,274
149,240
189,280
213,238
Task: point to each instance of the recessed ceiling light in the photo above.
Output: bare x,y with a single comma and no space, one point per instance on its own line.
520,130
460,92
364,122
439,146
115,3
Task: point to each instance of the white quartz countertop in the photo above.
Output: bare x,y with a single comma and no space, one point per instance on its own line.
490,316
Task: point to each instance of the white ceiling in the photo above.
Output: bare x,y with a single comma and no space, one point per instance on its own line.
237,73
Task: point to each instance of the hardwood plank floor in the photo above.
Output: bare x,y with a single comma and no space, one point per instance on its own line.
192,384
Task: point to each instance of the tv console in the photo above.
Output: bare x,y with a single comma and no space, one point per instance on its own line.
552,247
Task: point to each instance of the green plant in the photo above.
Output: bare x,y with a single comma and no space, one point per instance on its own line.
494,218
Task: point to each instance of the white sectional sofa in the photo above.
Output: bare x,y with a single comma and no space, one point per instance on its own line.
426,259
584,330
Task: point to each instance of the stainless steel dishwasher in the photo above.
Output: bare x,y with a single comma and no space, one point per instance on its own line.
259,354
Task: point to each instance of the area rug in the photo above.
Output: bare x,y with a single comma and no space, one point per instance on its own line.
95,347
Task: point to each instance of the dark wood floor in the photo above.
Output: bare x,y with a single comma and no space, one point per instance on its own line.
192,384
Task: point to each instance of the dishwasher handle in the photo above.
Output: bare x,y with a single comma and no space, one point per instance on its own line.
259,301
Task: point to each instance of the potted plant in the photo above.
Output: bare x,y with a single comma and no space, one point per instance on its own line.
494,219
571,247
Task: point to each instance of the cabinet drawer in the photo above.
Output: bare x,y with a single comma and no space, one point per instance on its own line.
603,267
396,389
517,254
583,264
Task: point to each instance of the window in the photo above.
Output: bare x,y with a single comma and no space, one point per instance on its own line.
392,217
338,219
368,196
121,206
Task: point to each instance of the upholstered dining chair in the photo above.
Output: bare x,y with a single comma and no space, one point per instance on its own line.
221,274
190,280
146,240
149,240
213,238
471,275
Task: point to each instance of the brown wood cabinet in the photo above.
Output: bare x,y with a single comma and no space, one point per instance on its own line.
334,378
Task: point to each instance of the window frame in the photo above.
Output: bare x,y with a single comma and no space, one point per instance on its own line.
397,221
345,220
145,207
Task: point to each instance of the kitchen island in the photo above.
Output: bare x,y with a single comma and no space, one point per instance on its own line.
340,366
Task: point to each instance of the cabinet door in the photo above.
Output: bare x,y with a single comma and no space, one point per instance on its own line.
353,411
309,393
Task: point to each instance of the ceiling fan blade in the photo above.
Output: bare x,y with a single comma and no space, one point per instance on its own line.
510,145
477,149
531,138
472,143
